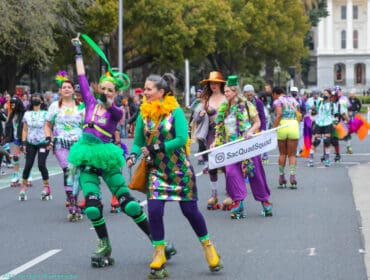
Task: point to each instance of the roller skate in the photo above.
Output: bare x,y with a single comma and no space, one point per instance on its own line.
237,210
265,158
74,211
170,251
293,182
349,150
22,193
14,182
310,163
2,172
212,203
214,261
266,209
157,266
226,204
102,256
115,207
322,159
46,194
337,158
282,182
327,161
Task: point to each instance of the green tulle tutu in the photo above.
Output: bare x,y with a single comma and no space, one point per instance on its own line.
90,150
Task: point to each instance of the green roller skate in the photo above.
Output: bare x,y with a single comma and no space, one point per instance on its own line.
266,209
101,257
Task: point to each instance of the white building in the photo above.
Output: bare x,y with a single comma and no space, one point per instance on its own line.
341,50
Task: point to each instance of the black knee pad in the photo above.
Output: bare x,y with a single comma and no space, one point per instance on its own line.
327,142
15,158
316,141
93,207
129,205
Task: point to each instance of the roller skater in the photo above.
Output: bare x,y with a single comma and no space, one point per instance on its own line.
161,112
237,210
282,181
95,156
102,256
266,209
115,205
64,126
212,203
13,134
157,266
288,113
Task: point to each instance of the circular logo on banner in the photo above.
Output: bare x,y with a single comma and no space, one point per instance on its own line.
220,157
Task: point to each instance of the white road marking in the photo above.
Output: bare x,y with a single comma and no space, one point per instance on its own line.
312,252
29,264
361,251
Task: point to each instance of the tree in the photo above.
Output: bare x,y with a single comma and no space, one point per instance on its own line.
30,29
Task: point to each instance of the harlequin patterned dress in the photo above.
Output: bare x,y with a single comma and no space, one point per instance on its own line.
172,176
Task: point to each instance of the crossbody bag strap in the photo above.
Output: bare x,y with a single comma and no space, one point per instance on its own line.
154,130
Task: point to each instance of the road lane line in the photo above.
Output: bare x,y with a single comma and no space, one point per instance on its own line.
312,252
29,264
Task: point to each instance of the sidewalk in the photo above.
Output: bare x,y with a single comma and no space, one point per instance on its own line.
359,176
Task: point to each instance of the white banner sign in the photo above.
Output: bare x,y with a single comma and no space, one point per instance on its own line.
228,154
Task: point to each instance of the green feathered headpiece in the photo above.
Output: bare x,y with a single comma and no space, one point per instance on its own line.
120,80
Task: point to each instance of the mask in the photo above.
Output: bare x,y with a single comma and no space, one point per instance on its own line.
294,94
36,102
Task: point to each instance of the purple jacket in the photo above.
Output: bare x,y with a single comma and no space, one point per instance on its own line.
106,122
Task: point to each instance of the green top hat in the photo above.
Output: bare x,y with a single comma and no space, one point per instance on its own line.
232,81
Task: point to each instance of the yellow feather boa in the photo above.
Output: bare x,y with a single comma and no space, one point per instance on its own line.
157,108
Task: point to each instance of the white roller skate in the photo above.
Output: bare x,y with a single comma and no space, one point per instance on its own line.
22,196
14,182
46,194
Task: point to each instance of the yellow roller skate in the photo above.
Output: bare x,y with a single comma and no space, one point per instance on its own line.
213,259
157,266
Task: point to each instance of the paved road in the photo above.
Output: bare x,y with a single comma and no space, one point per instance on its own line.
317,231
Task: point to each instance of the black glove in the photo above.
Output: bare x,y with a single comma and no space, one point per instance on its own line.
156,148
102,97
77,46
132,157
48,141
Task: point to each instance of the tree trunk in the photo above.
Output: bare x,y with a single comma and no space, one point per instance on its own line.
8,72
269,70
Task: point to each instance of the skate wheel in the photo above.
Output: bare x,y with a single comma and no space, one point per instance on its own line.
217,267
158,273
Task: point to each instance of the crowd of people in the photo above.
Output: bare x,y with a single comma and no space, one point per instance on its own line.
86,126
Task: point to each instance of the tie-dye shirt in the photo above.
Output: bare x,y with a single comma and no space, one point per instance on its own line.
67,121
35,121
